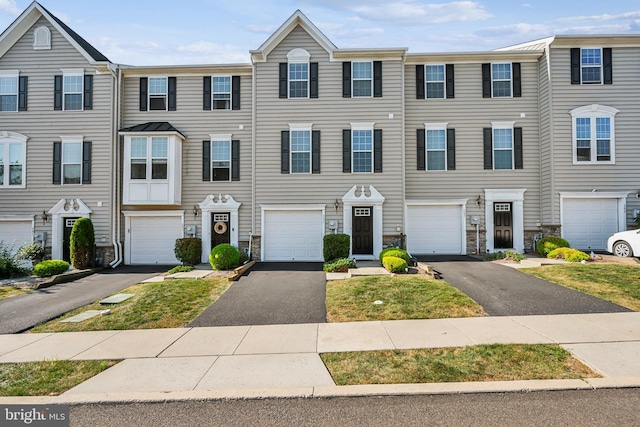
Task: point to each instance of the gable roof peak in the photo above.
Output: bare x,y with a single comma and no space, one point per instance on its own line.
296,19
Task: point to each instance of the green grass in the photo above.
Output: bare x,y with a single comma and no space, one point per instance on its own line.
12,291
496,362
168,304
403,297
47,378
617,283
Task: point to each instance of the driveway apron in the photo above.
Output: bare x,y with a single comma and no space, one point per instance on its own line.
505,291
270,294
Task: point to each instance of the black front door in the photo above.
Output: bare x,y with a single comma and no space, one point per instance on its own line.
362,231
220,229
502,226
67,226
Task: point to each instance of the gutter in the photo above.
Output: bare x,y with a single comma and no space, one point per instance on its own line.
115,123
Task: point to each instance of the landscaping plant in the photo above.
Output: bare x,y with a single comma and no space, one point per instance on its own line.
188,250
395,264
336,246
340,265
9,266
568,254
50,267
82,244
224,257
395,252
547,244
32,252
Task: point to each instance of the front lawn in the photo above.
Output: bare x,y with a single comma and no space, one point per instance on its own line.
47,378
12,291
495,362
402,296
617,283
168,304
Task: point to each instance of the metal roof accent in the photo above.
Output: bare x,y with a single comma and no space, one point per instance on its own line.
159,127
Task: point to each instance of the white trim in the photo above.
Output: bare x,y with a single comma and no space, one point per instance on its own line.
220,136
462,203
47,43
362,125
621,196
516,198
72,72
300,126
65,208
220,203
127,221
360,79
166,93
592,112
357,197
7,137
593,83
214,76
439,127
435,126
498,126
502,80
298,55
444,81
286,207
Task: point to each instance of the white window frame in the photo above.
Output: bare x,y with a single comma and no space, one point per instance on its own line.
502,126
443,81
221,138
72,73
600,67
354,79
213,92
434,127
66,141
11,75
510,80
158,95
149,158
593,112
6,140
298,56
300,127
40,42
362,127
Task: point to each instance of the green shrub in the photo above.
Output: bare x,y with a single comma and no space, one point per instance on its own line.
50,267
547,244
340,265
396,252
188,250
9,265
568,254
336,246
243,258
181,269
395,264
224,257
82,242
514,255
32,252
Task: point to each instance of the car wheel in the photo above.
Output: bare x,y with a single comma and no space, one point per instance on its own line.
622,249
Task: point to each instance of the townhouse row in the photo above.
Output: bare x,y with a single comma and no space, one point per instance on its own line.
448,153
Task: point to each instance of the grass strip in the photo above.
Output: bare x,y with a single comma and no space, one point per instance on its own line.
402,296
617,283
12,291
49,377
495,362
168,304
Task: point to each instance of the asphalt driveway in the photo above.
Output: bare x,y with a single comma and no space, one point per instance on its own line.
23,312
270,294
505,291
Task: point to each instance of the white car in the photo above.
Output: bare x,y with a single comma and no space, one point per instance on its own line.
625,243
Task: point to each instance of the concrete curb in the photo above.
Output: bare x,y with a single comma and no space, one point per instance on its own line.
334,392
68,277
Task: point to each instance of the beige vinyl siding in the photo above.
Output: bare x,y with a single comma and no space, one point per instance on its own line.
330,113
43,126
546,141
197,125
468,113
624,175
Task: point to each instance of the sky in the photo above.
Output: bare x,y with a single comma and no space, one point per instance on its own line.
163,32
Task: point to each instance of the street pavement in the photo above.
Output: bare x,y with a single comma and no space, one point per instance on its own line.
23,312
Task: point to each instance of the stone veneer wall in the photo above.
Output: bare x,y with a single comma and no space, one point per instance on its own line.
471,242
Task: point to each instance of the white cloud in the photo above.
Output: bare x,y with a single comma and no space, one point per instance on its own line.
262,29
603,17
523,29
413,12
526,5
9,6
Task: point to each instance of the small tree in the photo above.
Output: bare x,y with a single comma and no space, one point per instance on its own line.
188,250
336,246
82,244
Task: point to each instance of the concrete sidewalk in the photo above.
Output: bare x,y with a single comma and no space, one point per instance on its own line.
283,360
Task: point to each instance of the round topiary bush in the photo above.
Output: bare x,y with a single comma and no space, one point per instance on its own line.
395,264
547,244
82,242
224,257
396,252
50,267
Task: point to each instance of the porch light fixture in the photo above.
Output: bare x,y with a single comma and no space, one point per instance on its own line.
479,200
337,205
44,216
195,210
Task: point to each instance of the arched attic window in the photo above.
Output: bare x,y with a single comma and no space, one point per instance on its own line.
41,38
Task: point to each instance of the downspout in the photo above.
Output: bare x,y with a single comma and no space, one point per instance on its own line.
253,154
115,125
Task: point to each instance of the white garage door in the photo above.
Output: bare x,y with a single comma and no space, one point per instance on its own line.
434,229
15,233
588,223
293,236
153,239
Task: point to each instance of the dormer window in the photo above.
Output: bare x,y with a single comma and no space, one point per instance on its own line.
298,76
41,38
